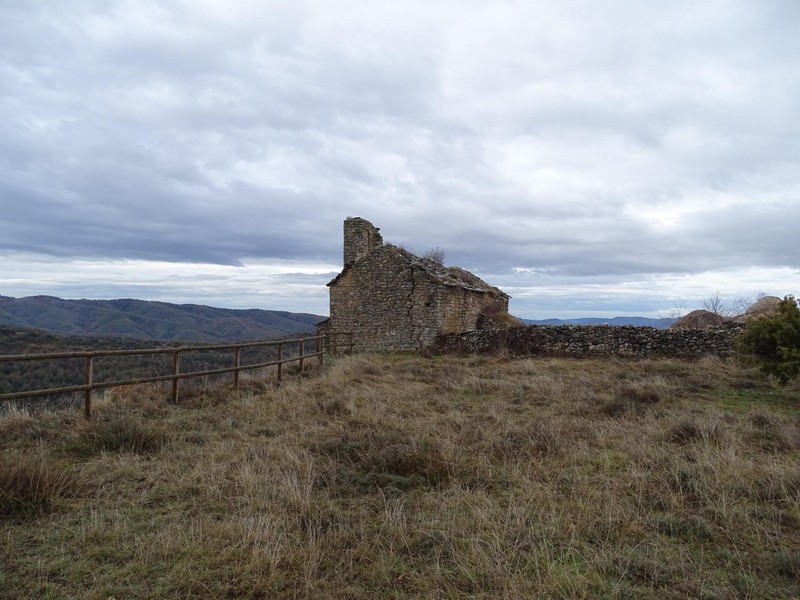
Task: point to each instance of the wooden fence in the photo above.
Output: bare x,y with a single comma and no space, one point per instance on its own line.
328,343
334,340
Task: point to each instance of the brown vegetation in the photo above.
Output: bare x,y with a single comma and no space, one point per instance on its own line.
397,476
699,319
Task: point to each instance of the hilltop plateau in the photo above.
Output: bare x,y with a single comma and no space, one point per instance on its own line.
397,476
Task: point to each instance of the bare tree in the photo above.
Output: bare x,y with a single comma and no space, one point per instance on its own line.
676,312
435,255
740,305
716,304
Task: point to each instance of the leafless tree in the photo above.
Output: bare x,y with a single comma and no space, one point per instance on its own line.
742,304
716,304
676,312
435,255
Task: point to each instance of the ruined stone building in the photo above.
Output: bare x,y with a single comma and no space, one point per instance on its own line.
392,299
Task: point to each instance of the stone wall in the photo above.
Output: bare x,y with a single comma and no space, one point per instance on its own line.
369,310
383,302
461,309
590,340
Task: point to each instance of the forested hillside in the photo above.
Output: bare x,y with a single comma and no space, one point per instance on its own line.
53,373
152,320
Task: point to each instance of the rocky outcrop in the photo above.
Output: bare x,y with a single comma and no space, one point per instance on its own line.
763,307
703,319
699,319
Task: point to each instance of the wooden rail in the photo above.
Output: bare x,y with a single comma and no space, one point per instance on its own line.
323,343
332,343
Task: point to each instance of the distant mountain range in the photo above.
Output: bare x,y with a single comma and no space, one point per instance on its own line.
152,320
192,322
664,323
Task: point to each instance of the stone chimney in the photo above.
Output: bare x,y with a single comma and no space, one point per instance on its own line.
360,236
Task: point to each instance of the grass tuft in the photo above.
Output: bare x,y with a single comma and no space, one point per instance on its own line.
773,435
642,393
120,433
684,431
32,484
786,563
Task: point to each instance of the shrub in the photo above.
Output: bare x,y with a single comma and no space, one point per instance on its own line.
435,255
774,341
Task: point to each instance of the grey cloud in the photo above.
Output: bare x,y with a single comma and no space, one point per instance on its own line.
511,135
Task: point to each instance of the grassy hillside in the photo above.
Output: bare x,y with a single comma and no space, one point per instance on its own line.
397,476
152,320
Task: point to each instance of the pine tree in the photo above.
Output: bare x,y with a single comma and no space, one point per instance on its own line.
774,341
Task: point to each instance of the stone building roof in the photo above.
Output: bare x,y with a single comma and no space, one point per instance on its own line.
447,276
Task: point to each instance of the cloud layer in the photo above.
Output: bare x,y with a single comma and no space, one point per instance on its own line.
576,150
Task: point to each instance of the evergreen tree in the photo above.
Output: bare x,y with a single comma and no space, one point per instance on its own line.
775,341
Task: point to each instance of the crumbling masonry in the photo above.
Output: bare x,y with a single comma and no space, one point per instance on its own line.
392,299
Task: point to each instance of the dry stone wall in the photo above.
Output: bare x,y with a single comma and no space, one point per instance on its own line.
590,340
461,309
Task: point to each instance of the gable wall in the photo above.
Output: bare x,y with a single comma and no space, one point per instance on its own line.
372,299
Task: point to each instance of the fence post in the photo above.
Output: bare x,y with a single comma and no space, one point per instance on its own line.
88,376
280,359
237,356
321,351
302,352
176,368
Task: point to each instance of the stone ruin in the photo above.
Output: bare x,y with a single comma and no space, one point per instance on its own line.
392,299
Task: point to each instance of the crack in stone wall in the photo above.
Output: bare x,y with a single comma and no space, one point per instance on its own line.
414,335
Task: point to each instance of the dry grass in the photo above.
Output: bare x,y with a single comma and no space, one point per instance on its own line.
398,476
32,483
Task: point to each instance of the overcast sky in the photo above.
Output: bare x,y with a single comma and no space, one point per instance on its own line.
593,158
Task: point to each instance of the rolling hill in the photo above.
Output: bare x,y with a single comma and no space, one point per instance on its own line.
152,320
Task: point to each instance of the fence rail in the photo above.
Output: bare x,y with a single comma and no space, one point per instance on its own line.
328,343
